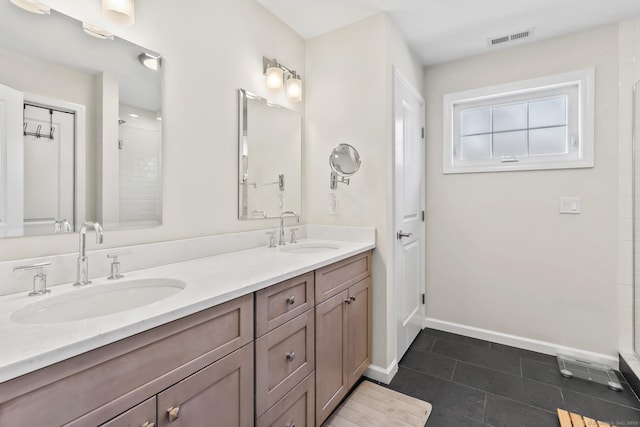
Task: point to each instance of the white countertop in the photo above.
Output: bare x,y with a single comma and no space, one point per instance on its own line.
210,281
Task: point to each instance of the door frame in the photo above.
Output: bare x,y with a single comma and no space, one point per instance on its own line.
79,173
398,78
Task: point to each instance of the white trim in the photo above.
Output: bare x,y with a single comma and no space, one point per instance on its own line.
584,79
523,342
80,192
384,375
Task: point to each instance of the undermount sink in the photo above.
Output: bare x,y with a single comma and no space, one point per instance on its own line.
98,300
309,248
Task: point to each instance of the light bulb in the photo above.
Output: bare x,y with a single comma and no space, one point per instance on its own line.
119,11
274,78
294,88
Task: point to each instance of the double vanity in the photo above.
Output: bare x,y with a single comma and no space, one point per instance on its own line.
261,336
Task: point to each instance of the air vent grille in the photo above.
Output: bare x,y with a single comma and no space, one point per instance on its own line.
509,38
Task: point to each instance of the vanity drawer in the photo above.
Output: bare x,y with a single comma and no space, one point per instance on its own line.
284,357
96,386
337,277
294,409
280,303
136,416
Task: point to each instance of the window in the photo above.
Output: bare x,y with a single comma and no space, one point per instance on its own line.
544,123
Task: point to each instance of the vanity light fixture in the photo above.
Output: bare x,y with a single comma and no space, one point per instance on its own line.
294,87
119,11
275,76
149,61
33,6
96,32
275,73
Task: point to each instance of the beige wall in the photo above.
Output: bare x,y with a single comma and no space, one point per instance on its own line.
500,257
349,87
211,48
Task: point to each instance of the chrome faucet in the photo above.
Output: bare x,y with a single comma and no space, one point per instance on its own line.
282,217
83,260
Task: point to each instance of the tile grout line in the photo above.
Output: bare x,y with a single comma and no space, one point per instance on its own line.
484,408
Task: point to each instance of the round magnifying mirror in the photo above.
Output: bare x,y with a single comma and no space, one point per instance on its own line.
344,160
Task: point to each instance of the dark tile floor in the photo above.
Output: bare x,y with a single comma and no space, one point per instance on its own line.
473,383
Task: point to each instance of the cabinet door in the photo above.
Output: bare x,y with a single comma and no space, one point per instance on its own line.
331,354
359,327
142,415
220,395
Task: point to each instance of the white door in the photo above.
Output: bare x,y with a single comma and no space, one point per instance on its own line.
409,152
49,169
11,164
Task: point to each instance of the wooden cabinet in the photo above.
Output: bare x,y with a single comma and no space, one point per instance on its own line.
100,385
220,395
297,358
343,336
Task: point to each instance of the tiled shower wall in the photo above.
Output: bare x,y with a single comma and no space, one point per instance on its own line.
629,72
140,163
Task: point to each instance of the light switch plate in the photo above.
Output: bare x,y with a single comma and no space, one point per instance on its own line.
333,204
569,205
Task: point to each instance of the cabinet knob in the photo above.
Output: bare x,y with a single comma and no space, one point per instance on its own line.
291,356
290,424
352,298
348,300
148,424
291,300
173,413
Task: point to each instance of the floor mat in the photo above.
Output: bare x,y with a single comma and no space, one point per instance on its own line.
372,405
569,419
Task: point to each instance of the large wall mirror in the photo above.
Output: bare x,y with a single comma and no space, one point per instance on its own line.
269,158
80,127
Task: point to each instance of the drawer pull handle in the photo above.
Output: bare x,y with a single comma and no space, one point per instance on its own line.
291,300
291,356
290,424
148,424
173,413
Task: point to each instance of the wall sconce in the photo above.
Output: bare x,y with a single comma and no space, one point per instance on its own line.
275,73
119,11
32,6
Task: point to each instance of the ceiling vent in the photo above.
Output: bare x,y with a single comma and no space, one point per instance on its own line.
508,39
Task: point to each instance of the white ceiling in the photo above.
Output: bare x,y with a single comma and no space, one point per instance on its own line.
442,30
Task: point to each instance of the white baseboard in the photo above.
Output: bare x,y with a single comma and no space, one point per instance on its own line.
522,342
384,375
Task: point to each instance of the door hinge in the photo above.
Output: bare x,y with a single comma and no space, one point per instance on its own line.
422,214
424,297
423,133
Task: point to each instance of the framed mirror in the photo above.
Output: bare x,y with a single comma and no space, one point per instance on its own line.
81,121
269,158
344,162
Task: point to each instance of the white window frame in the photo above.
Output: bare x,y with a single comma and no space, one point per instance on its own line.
577,85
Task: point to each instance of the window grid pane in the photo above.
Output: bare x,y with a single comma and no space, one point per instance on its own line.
506,130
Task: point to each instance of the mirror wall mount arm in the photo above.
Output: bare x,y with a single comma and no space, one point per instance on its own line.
335,179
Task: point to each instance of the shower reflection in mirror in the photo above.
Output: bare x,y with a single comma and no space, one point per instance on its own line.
80,128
